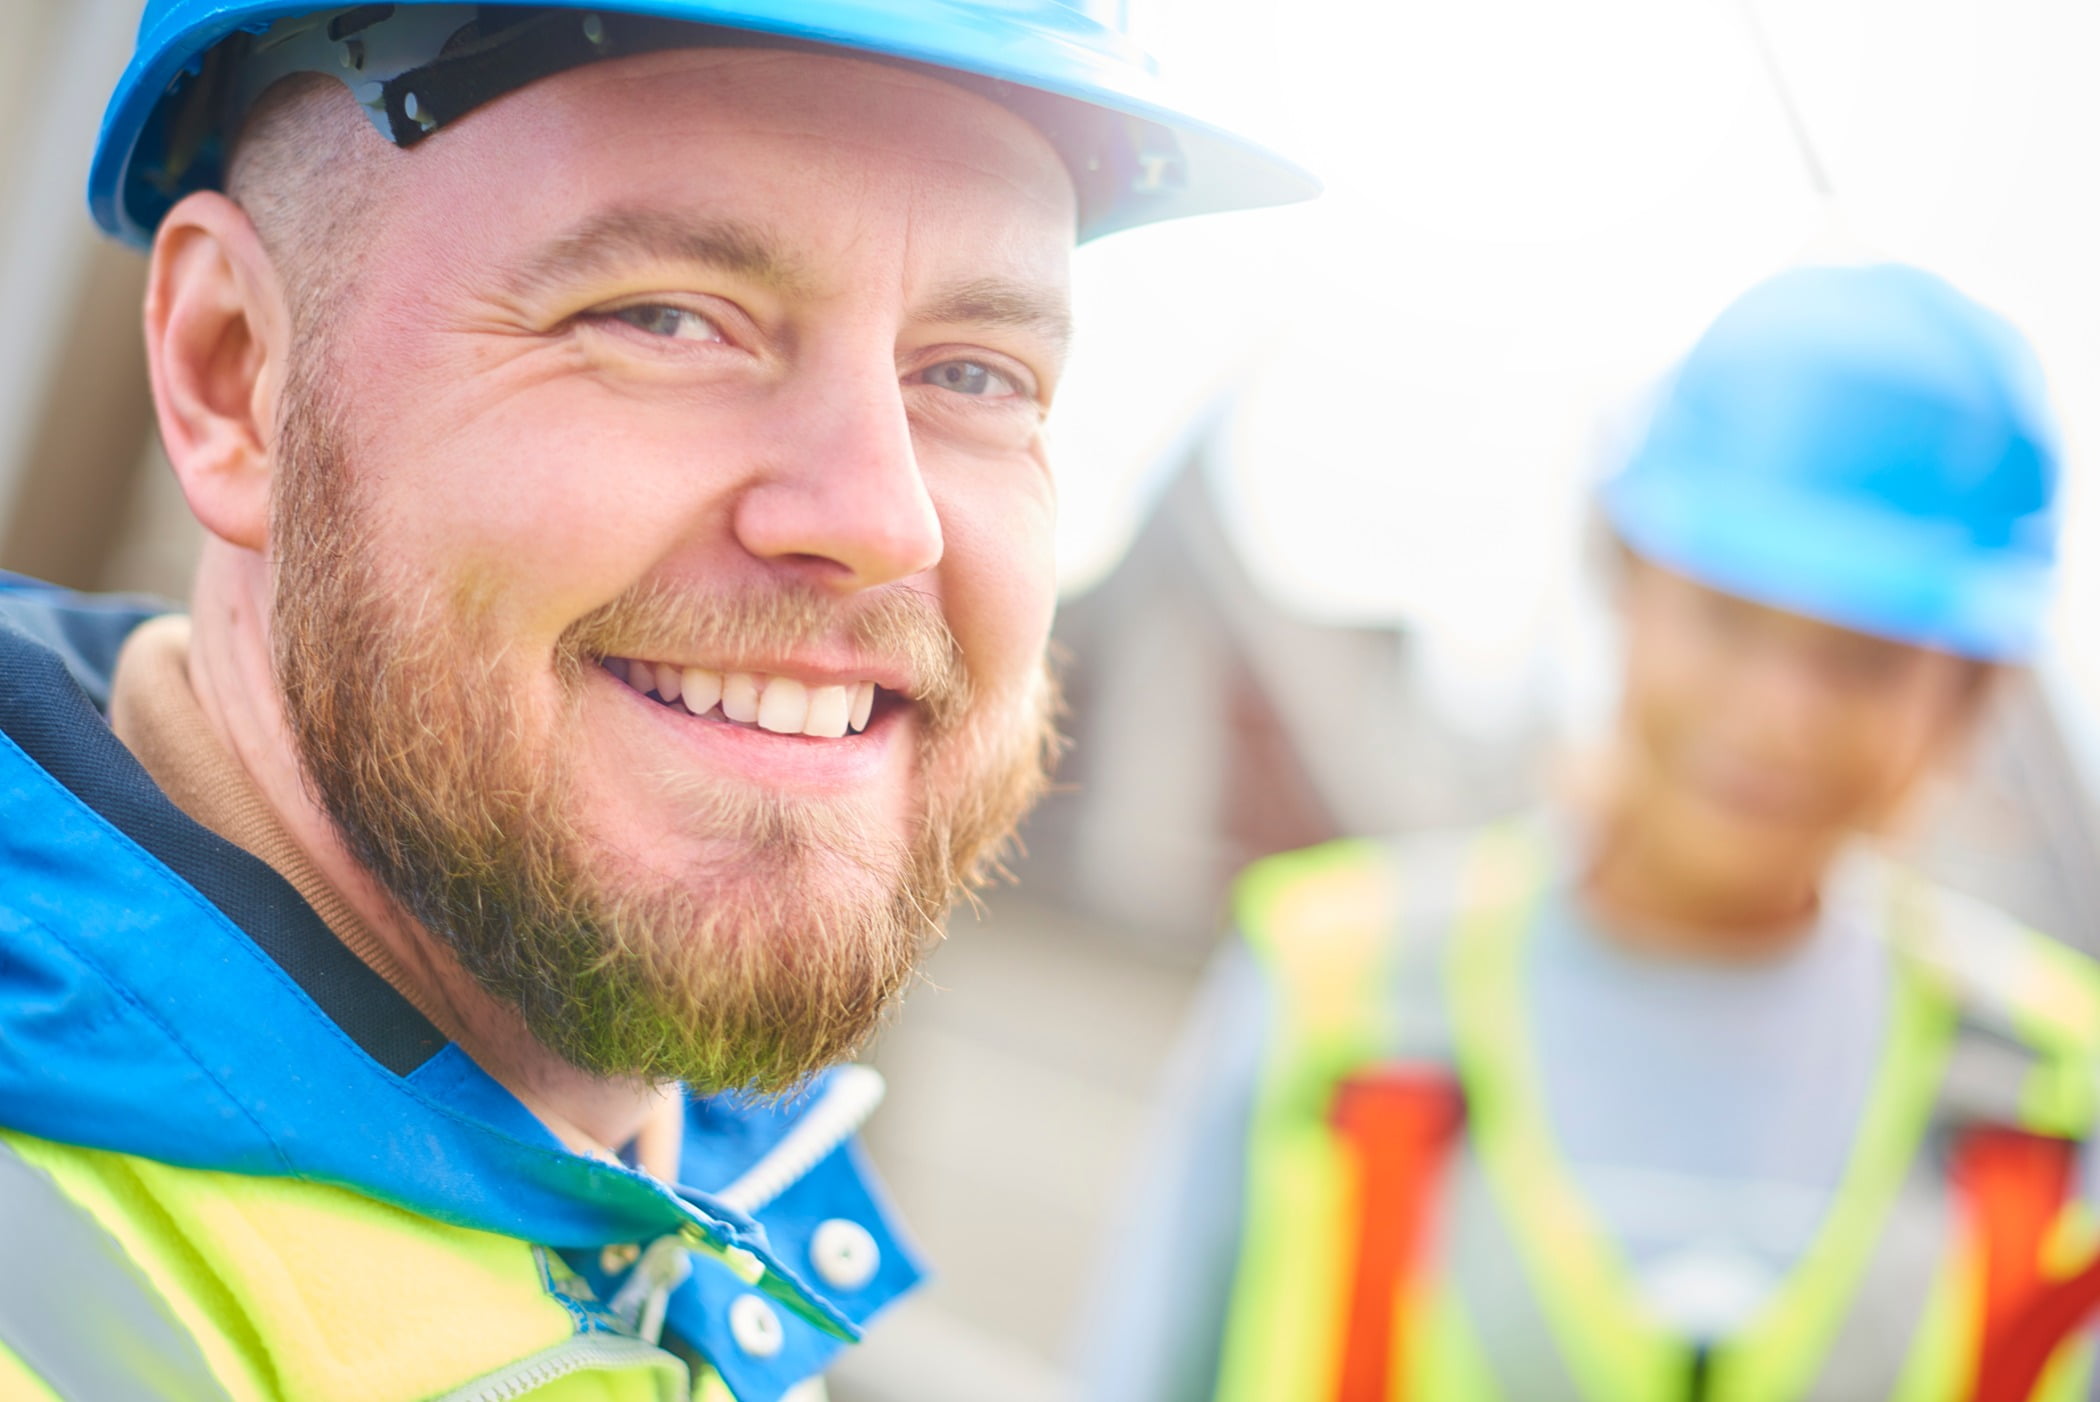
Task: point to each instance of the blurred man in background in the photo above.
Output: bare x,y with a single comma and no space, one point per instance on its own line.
619,637
1682,1091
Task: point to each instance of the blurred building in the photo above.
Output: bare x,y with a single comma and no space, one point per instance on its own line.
1212,725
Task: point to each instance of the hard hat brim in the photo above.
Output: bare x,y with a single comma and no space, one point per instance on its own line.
1909,581
1051,64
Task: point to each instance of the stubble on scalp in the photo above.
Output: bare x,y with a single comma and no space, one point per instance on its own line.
310,173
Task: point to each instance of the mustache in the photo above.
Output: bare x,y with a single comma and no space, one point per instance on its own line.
902,628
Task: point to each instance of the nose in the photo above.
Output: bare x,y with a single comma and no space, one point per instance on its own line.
1781,700
843,502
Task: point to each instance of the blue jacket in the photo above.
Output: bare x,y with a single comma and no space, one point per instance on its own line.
167,995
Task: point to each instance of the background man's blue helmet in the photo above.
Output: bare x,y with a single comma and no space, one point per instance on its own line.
1866,446
1065,65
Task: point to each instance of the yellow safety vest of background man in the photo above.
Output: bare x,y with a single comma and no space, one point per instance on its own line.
1691,1095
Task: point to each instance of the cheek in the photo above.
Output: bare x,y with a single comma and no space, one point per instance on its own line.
1891,749
1665,701
496,470
999,576
528,500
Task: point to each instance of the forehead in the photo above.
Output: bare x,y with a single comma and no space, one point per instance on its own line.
840,162
1701,605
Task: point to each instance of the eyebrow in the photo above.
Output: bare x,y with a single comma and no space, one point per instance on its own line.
618,238
998,302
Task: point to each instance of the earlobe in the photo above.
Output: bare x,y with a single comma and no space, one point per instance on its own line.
216,336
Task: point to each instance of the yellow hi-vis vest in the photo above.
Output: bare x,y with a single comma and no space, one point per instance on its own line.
186,1285
1412,955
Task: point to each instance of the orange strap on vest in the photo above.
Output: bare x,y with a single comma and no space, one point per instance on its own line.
1400,1122
2015,1185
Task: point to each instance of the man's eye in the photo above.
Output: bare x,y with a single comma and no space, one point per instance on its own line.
967,377
672,323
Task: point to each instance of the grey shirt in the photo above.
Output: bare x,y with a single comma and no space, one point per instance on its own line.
1708,1111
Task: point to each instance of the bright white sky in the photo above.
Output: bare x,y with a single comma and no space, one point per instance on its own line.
1533,207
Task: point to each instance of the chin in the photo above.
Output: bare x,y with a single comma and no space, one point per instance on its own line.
1738,845
717,839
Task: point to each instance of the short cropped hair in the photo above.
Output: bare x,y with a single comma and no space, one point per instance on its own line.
307,168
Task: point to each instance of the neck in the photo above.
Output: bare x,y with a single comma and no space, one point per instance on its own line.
1648,888
230,671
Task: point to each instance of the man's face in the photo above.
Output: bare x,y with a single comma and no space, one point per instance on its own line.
1757,737
721,366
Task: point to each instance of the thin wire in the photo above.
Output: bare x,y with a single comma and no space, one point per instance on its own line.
1804,144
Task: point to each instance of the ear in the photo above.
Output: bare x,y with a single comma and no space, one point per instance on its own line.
1946,764
217,333
1978,688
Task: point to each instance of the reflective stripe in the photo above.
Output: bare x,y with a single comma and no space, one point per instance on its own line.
2040,999
76,1310
1780,1354
1885,1320
18,1384
1283,1341
1486,1275
1455,1365
1282,1344
1612,1348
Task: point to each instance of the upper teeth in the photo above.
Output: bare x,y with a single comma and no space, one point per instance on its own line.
779,704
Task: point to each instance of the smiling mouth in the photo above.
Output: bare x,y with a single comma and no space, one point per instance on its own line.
755,700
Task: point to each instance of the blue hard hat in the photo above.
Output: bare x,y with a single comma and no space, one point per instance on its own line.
1865,446
1134,154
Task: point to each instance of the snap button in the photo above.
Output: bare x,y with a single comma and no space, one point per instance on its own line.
844,1254
755,1327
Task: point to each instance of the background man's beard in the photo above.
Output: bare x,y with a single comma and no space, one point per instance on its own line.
776,962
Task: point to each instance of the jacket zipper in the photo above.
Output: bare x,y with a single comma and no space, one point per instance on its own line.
844,1107
575,1355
